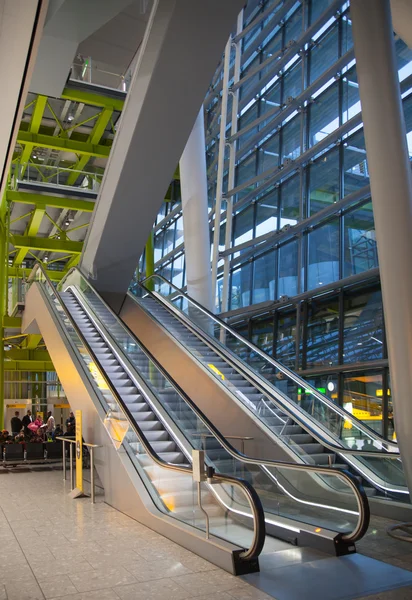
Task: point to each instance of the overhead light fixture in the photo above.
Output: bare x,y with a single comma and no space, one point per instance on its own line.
70,118
34,155
7,347
45,259
331,386
67,222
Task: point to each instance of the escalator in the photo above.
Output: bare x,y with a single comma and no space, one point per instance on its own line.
153,429
308,427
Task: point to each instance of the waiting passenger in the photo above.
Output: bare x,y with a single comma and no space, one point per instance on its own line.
50,425
71,424
27,419
16,423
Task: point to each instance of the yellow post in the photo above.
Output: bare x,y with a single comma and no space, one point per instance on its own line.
79,451
78,490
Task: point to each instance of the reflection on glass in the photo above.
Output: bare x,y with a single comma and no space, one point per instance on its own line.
361,253
363,326
323,332
363,398
323,264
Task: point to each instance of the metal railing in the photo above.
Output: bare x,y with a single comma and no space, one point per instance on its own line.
51,175
361,498
91,448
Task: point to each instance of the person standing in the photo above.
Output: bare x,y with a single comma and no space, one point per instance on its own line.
27,419
71,424
16,424
50,425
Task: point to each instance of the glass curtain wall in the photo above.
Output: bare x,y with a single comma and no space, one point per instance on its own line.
297,185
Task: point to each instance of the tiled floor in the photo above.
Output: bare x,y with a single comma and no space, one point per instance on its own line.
52,547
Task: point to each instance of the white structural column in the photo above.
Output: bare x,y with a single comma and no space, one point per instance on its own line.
232,164
220,165
193,182
391,187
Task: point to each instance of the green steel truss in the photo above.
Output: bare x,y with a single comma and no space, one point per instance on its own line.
66,147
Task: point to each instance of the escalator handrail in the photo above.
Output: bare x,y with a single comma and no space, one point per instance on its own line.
259,525
361,498
296,378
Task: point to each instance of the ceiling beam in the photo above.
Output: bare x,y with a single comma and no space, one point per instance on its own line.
26,354
51,201
46,244
31,366
92,99
62,145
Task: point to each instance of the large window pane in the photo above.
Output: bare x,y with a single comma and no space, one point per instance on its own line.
262,334
269,154
324,115
356,174
292,82
350,95
324,53
288,269
264,278
243,226
290,202
363,326
324,181
360,241
240,295
323,332
323,262
286,338
267,214
291,139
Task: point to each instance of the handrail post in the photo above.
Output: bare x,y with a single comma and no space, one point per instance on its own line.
92,494
64,459
71,467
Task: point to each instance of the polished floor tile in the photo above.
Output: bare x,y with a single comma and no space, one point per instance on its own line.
55,548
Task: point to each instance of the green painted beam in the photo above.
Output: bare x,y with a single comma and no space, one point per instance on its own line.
94,138
31,230
40,200
28,365
46,244
19,273
61,144
12,322
26,354
36,118
31,341
35,221
92,99
72,262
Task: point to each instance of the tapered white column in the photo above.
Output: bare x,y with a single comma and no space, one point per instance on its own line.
193,183
391,186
